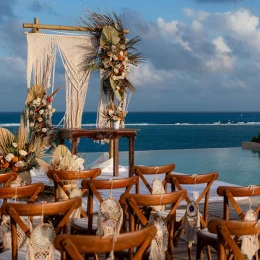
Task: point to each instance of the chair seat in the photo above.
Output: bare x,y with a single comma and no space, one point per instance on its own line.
179,213
7,255
83,222
205,232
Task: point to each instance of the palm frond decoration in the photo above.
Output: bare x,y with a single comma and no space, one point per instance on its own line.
36,91
6,140
113,52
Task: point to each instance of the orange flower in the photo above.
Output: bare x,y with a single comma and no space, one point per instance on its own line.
6,165
15,168
15,159
121,90
125,52
121,58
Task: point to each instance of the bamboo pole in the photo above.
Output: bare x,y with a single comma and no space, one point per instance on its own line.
37,26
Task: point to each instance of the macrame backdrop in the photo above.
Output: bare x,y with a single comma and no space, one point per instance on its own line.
41,61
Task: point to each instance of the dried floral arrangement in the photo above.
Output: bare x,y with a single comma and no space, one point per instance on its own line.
114,113
39,111
24,151
20,153
64,160
114,53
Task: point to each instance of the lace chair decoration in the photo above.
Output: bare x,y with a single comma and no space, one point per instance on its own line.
40,243
160,243
250,244
110,219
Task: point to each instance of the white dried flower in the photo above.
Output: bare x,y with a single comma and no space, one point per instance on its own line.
9,157
23,153
41,111
113,47
44,130
39,100
114,77
122,46
117,87
14,145
53,110
49,106
110,112
39,119
20,164
121,53
126,59
116,71
31,124
115,57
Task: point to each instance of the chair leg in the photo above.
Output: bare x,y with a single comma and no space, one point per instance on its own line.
190,252
177,237
209,253
199,251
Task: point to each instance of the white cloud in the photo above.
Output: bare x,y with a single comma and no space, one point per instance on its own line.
221,46
147,74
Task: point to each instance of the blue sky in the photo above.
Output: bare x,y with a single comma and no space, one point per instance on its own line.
201,55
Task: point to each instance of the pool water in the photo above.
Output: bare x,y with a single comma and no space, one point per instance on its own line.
234,165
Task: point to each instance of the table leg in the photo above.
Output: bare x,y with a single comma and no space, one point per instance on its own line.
131,154
74,148
115,158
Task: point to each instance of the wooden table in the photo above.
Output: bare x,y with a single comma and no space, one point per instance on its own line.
98,134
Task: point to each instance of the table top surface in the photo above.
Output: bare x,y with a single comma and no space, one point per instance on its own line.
95,130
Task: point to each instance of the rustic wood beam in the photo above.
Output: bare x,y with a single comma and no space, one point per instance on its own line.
36,26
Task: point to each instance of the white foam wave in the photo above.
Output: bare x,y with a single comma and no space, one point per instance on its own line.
9,124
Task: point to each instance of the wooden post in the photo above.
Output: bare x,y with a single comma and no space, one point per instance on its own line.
36,21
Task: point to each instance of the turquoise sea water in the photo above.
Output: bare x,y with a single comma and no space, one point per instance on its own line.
195,142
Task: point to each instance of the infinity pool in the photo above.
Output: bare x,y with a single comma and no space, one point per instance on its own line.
234,165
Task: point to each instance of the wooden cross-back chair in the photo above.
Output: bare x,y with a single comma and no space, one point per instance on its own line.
7,178
227,230
74,245
178,181
59,176
95,187
137,202
141,171
229,194
18,210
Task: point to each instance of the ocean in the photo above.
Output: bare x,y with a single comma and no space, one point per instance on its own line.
169,130
195,142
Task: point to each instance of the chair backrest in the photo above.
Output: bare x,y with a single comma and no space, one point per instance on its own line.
225,229
151,170
137,201
7,178
230,193
178,181
74,246
18,210
30,191
59,176
95,186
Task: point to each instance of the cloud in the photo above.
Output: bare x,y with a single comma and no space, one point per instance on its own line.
37,6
